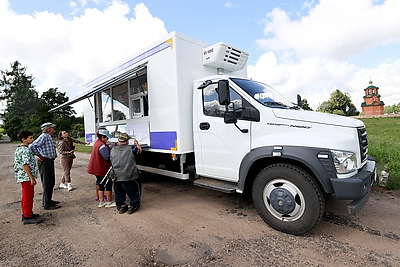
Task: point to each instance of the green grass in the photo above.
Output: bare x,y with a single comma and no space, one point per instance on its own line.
384,146
83,148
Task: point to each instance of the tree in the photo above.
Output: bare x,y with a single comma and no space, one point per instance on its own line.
51,99
392,109
21,99
304,104
25,110
64,117
339,103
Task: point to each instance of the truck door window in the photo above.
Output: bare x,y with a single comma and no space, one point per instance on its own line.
211,106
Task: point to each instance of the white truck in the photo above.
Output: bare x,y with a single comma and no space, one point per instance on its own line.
195,112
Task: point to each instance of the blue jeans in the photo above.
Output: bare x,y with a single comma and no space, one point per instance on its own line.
131,189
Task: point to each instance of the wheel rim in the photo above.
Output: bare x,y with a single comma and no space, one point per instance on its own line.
284,200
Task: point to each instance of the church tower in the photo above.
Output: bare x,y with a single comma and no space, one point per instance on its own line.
372,104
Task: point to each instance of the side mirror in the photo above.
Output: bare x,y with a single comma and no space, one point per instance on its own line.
223,92
250,113
230,117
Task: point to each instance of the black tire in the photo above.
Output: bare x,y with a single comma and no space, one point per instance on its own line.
288,199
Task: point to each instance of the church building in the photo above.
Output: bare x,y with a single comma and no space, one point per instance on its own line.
372,104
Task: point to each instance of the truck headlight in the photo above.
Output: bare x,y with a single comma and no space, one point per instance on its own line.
345,162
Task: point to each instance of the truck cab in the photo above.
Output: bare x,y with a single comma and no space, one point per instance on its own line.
248,135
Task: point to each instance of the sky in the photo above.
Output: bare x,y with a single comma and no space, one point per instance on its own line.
301,47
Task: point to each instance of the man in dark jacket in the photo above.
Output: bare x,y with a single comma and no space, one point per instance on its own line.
126,173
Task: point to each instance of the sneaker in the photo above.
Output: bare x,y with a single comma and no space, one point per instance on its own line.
122,209
101,204
110,204
63,186
32,220
69,187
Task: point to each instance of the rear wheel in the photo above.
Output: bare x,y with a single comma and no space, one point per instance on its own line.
288,199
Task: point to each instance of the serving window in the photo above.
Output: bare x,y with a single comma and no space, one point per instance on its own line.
125,99
138,90
120,96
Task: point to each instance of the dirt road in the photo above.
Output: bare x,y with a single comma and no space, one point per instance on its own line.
182,225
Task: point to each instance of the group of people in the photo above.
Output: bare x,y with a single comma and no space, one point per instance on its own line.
113,165
119,165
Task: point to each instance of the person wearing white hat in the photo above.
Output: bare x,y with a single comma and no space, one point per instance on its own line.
44,147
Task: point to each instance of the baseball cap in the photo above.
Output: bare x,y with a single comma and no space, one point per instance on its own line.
104,132
47,125
123,137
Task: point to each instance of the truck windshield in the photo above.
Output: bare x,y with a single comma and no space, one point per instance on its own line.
263,93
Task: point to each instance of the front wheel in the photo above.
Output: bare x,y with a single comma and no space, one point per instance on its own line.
288,199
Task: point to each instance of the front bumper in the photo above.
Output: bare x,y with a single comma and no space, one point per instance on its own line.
356,188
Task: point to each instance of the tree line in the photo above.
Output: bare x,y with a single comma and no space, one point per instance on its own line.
26,110
393,109
339,103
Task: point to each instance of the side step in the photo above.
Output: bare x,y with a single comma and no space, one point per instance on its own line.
182,176
218,185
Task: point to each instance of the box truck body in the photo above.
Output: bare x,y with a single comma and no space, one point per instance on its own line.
197,115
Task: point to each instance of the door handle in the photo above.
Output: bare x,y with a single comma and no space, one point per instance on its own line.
204,126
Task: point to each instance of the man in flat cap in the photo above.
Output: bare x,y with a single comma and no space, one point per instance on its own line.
126,173
44,147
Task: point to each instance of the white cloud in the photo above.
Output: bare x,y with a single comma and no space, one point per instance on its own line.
228,4
312,55
336,29
66,53
73,4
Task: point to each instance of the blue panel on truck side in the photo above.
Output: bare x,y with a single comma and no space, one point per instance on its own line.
163,140
90,137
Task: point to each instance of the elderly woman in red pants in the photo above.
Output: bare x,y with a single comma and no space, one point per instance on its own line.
66,149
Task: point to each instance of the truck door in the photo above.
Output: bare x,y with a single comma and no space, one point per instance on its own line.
219,147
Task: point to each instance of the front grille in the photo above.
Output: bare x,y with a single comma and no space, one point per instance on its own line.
363,140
